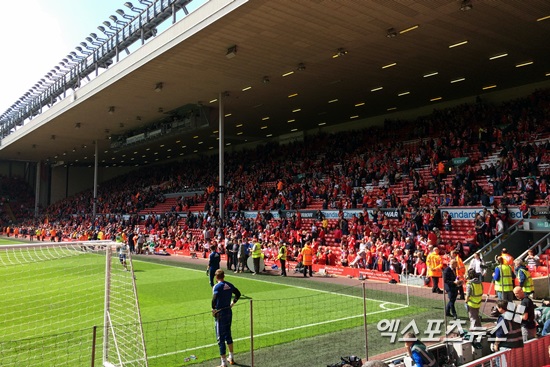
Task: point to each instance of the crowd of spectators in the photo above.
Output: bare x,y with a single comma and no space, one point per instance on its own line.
376,167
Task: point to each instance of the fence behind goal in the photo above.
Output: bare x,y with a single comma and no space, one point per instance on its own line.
69,304
279,331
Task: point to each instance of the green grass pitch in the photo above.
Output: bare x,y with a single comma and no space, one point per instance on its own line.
178,327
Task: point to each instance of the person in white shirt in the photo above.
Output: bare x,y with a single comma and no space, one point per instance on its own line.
478,265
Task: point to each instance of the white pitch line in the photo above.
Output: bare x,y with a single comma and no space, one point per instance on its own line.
275,332
287,285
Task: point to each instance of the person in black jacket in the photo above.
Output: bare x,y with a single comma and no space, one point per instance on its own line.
451,282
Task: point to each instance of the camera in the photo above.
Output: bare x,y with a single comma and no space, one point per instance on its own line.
351,360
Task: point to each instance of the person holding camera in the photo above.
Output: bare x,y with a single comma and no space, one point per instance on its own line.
451,282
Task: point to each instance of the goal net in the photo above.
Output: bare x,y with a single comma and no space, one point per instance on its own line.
69,304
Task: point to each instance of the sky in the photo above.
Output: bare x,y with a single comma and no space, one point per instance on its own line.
40,33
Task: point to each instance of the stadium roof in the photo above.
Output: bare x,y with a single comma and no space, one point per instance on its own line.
350,60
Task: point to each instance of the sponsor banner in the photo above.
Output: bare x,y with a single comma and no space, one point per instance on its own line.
540,210
335,270
457,213
459,161
469,213
374,275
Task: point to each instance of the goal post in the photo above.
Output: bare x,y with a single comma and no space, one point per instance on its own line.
56,295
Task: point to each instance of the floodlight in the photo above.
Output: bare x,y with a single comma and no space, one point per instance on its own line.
124,15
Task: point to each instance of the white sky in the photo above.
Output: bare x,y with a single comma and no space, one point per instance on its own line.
37,34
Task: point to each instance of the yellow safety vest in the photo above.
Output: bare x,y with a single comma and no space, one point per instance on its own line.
506,282
528,284
476,293
256,250
282,253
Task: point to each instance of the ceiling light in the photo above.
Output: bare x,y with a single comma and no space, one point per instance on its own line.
231,52
403,94
265,118
269,135
489,87
466,5
354,116
240,133
322,123
291,120
498,56
227,115
524,64
392,108
292,95
158,87
293,130
239,125
547,74
111,110
408,29
263,127
436,99
543,18
458,44
195,137
458,80
288,73
359,104
297,110
333,100
376,89
430,74
246,88
339,52
389,65
213,100
391,33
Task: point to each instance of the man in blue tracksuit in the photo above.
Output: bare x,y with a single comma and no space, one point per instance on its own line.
223,291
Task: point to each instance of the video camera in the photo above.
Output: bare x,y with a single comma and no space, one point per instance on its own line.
351,360
489,265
